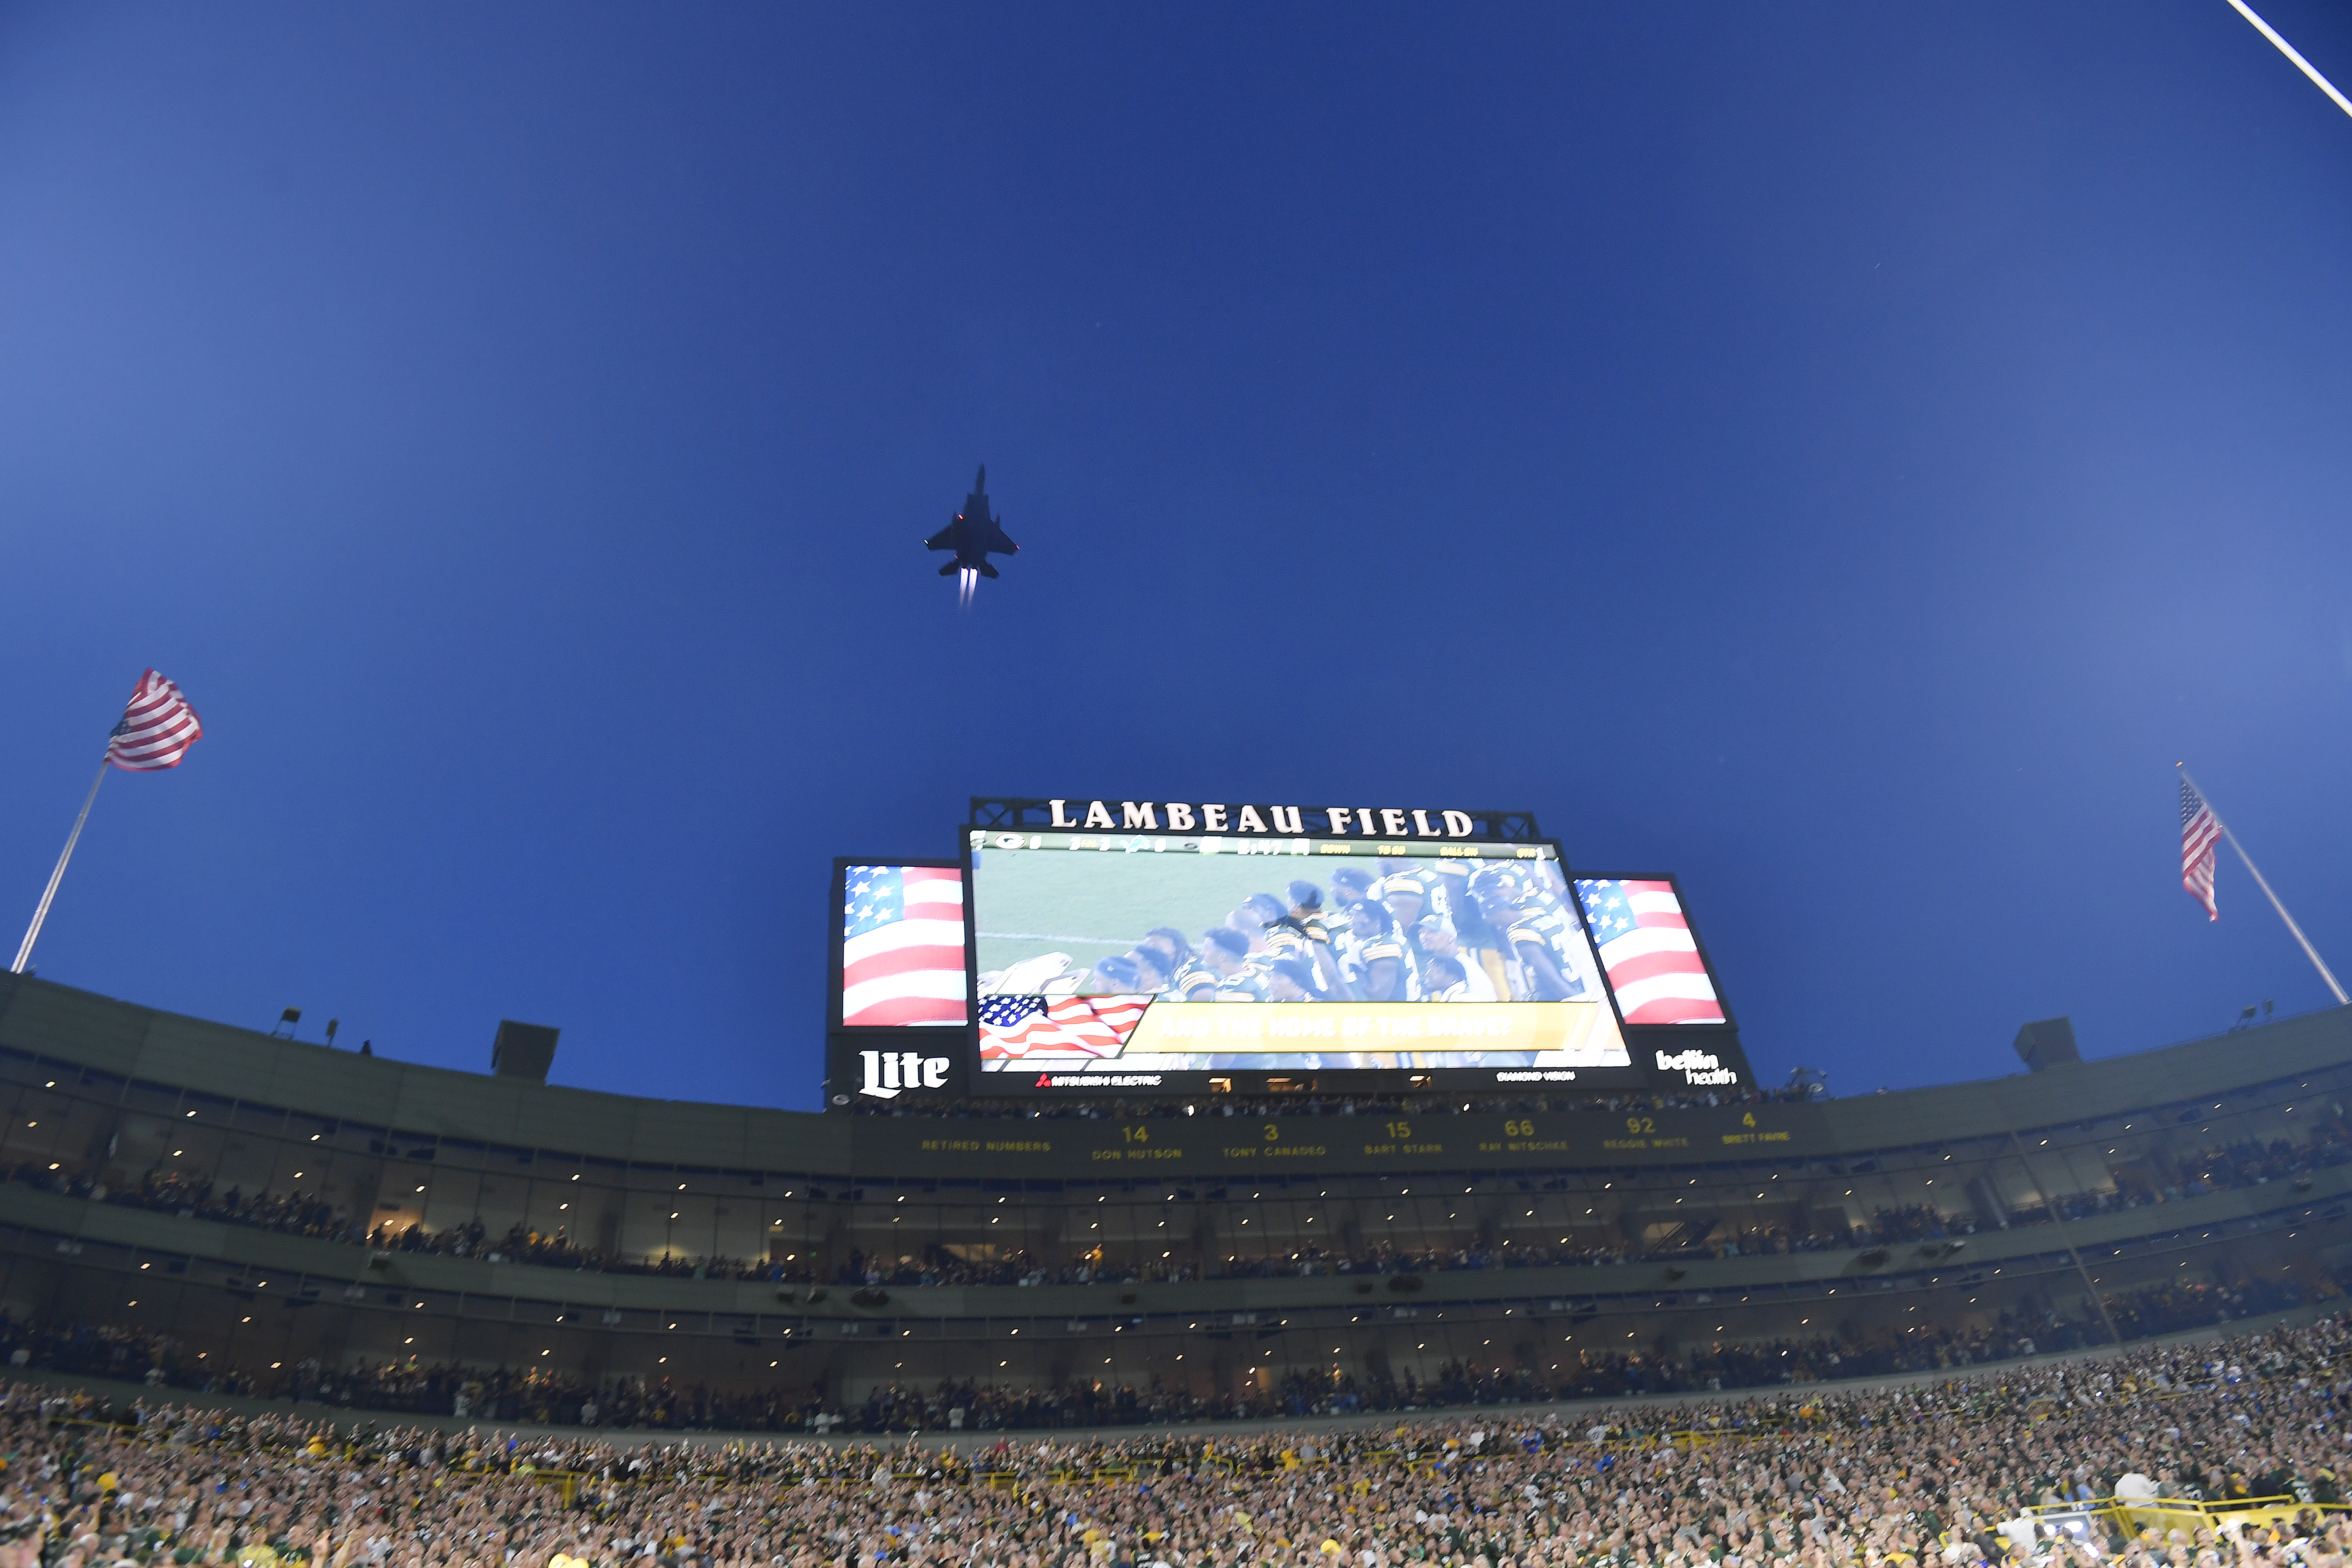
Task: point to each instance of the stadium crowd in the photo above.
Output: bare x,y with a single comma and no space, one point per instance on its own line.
522,1243
552,1396
2217,1168
1800,1477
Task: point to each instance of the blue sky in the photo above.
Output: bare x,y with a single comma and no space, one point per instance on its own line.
1842,454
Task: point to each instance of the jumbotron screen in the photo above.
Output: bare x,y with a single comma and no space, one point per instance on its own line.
1141,963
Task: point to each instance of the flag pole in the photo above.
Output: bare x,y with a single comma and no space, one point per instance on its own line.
2305,65
2308,952
33,933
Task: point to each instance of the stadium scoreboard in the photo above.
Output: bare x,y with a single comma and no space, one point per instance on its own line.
1166,949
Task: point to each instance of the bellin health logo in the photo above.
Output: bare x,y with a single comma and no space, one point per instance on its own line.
887,1072
1696,1065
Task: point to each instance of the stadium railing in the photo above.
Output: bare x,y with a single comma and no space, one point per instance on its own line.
2129,1516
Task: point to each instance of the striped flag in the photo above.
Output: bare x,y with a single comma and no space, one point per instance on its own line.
1066,1028
157,728
902,946
2200,829
1646,949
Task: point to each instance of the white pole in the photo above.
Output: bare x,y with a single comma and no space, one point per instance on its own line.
33,932
2324,85
2307,950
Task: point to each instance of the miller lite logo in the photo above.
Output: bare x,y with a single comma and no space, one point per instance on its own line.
887,1072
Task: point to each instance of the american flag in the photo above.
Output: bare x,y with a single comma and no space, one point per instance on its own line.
902,945
157,728
2198,830
1066,1028
1652,963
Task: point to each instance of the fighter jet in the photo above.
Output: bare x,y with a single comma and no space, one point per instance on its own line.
972,534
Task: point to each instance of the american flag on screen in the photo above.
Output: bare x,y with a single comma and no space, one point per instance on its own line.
157,728
1653,963
902,945
1031,1030
2198,830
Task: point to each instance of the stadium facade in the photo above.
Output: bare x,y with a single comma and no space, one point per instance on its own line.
278,1210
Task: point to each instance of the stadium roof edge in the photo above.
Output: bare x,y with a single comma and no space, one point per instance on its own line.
133,1042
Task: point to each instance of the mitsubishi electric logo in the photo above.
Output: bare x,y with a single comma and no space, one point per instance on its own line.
1697,1067
887,1072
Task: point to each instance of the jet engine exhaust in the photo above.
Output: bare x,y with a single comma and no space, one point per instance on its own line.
967,580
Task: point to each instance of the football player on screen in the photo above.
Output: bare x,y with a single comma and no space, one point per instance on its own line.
1348,885
1306,909
1448,980
1407,894
1381,970
1485,979
1537,938
1152,965
1225,953
1289,980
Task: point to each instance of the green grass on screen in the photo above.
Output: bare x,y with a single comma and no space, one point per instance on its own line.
1091,904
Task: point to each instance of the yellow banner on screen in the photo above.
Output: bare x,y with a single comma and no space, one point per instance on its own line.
1568,1033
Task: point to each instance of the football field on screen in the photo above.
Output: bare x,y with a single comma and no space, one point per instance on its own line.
1091,904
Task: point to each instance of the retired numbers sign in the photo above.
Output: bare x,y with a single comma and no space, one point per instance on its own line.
1327,1146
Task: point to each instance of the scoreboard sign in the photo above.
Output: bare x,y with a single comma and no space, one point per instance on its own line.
1172,949
1056,1148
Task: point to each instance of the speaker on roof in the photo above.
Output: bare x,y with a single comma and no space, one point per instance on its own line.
523,1051
2048,1044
